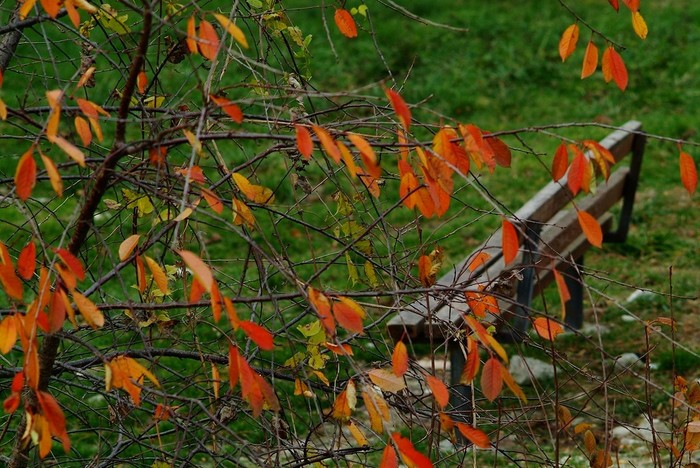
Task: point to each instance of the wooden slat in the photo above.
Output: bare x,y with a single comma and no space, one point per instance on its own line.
411,321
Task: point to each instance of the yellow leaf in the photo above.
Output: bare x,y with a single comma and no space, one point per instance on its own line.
639,25
89,310
235,32
25,8
158,274
71,150
255,193
358,435
194,141
128,246
3,110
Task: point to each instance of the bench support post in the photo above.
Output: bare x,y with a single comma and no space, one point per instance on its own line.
526,286
574,283
630,190
460,394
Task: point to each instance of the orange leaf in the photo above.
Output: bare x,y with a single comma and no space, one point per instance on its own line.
399,359
140,274
25,175
440,393
349,314
191,40
128,246
347,158
409,454
341,408
491,379
547,328
400,107
57,312
89,310
71,150
26,261
510,382
304,143
425,271
614,68
10,282
233,371
31,365
201,271
590,60
11,403
90,109
254,193
577,171
475,436
194,173
83,128
386,380
51,7
125,372
242,214
235,32
471,367
213,201
323,309
328,143
564,295
157,156
639,25
479,259
25,8
389,458
689,172
208,40
560,162
345,22
500,150
377,409
567,43
8,334
509,241
633,5
341,350
158,274
591,228
54,176
73,264
231,109
369,159
260,335
54,416
482,304
142,81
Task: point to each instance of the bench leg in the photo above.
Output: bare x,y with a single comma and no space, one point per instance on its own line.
574,307
460,394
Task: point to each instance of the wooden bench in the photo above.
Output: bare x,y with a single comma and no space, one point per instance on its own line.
550,237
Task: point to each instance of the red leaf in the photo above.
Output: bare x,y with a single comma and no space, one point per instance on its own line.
54,415
491,379
411,456
142,81
567,43
615,4
349,315
25,175
304,143
73,264
208,40
560,162
399,359
26,262
11,403
689,172
500,150
547,328
633,5
233,373
440,393
509,241
614,68
590,60
345,22
389,458
425,267
231,109
577,171
323,309
400,107
259,334
591,229
475,436
471,367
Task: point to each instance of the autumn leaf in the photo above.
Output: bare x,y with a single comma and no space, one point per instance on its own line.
410,456
509,241
474,435
254,193
639,25
305,144
234,31
389,458
328,143
615,4
159,276
25,175
142,82
347,158
425,271
399,359
576,171
614,68
125,372
591,229
82,127
564,295
400,108
491,379
201,271
8,333
345,22
127,246
54,416
70,149
140,274
349,314
689,172
213,200
481,304
567,43
208,40
590,60
471,367
547,328
377,409
358,435
73,264
191,39
242,214
386,380
54,176
439,390
26,261
369,158
89,310
323,309
589,441
231,109
260,335
512,384
633,5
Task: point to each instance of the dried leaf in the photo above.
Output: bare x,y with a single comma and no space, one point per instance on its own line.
567,43
591,229
358,435
345,22
234,31
547,328
474,435
491,379
590,60
386,380
127,246
589,441
399,359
